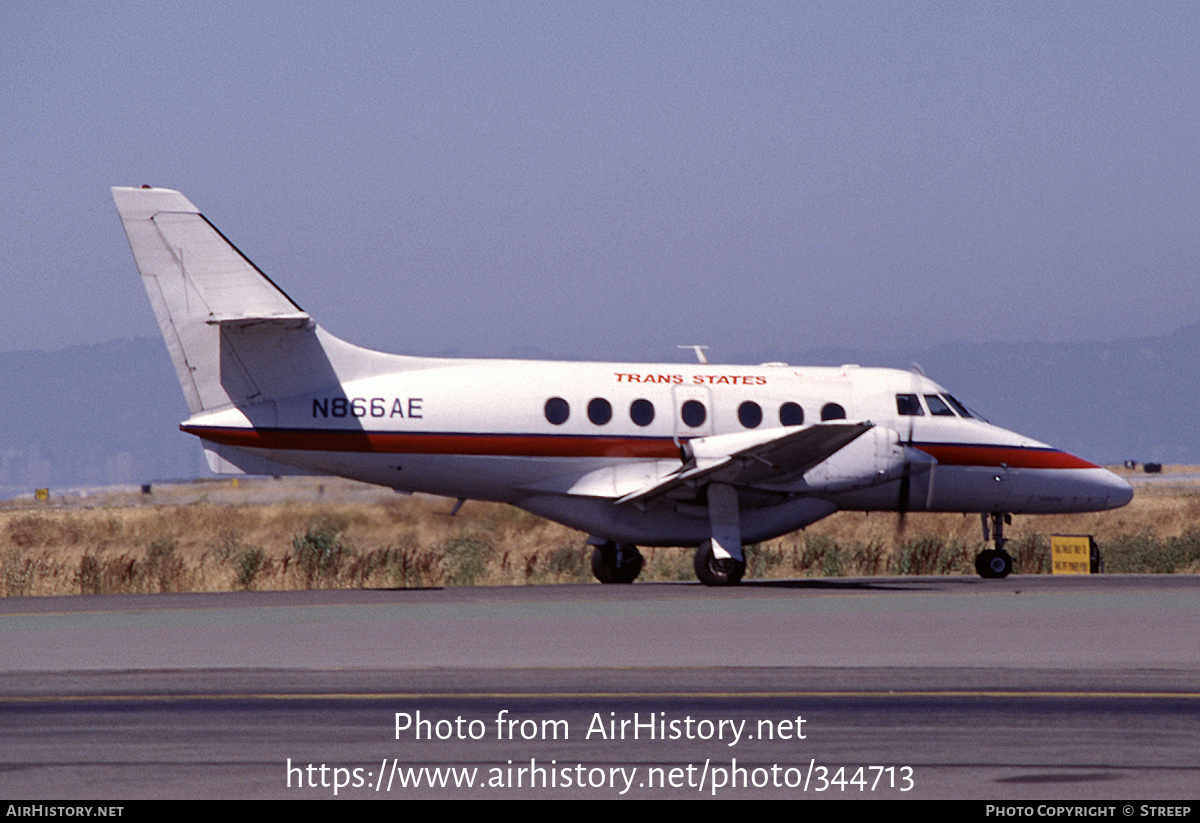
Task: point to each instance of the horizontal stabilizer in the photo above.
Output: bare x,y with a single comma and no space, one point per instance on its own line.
299,320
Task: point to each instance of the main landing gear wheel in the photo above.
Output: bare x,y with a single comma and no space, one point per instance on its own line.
616,563
717,572
993,564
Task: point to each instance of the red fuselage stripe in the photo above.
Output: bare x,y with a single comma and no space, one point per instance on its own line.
507,445
962,454
534,445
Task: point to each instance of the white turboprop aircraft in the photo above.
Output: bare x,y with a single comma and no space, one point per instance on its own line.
663,454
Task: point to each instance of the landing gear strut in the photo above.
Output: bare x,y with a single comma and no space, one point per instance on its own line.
994,562
716,571
616,562
720,561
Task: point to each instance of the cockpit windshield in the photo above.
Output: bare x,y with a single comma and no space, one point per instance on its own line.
940,405
958,407
937,406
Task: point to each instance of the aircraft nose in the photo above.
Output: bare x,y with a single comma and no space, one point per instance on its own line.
1107,490
1118,491
1083,489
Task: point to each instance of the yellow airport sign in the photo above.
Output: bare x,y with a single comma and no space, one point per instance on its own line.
1073,554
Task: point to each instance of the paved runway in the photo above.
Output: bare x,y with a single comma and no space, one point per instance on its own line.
1026,688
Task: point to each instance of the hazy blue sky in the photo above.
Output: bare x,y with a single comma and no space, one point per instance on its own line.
613,179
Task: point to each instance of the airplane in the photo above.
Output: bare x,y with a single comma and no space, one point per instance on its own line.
696,455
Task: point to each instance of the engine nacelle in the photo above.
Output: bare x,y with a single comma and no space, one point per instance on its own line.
878,456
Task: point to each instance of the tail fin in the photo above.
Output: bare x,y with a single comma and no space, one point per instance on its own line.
235,338
206,295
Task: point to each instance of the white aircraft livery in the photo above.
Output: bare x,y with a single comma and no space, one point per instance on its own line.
692,455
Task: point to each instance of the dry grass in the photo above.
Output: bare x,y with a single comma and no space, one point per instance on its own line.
308,534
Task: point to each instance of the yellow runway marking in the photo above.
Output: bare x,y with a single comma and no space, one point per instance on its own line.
294,697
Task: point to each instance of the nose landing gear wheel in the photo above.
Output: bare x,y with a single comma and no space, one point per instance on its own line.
714,571
616,563
993,564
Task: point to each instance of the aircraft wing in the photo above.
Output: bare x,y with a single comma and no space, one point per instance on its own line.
775,460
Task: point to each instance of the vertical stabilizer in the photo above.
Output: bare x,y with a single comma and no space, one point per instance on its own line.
213,305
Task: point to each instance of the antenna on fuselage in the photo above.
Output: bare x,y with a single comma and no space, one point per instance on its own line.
699,350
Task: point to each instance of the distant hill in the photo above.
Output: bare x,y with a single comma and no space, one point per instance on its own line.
92,415
109,414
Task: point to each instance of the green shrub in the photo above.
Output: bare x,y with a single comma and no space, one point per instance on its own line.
1030,554
466,560
320,552
1144,553
163,567
933,554
248,564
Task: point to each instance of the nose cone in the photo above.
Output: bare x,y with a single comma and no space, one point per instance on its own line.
1115,491
1066,488
1089,490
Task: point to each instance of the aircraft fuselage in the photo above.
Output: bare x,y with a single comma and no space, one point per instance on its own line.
564,439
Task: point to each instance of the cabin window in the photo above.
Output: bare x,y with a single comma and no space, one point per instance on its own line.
907,405
599,411
790,414
937,406
833,411
641,412
750,414
693,413
557,410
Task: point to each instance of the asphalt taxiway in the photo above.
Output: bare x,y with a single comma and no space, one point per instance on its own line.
1030,687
